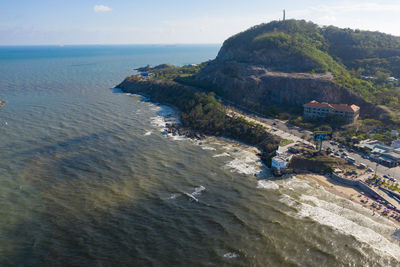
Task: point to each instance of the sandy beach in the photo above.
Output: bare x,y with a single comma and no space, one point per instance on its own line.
343,191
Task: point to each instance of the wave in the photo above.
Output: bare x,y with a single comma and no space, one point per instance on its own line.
208,148
347,222
341,214
265,184
197,192
221,155
230,255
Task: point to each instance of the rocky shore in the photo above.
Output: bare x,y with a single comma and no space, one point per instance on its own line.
178,129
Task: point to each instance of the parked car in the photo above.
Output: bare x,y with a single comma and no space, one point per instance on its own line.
350,160
332,143
365,156
362,166
370,170
340,150
385,176
344,153
337,154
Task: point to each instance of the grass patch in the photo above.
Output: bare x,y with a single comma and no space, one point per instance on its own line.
285,142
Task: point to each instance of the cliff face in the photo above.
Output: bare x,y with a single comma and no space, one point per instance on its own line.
292,62
251,84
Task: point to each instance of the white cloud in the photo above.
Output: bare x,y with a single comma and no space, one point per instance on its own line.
101,8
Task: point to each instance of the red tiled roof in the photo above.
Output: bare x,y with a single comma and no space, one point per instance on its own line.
341,107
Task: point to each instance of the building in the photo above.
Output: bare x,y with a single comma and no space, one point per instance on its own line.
315,109
395,144
385,155
279,163
391,80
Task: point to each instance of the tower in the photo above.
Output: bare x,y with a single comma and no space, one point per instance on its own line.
284,15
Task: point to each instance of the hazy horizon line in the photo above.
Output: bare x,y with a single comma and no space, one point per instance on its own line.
109,44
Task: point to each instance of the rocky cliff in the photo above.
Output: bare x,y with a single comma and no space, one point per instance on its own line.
255,85
293,62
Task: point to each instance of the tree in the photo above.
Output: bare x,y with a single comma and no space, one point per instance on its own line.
381,77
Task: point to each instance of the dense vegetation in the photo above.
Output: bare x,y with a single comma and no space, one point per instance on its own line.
204,113
300,46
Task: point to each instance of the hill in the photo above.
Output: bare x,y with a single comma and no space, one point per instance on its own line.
288,63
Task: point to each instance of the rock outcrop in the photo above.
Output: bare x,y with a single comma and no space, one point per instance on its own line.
255,85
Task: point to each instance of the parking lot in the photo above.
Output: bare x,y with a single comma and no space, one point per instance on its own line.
380,169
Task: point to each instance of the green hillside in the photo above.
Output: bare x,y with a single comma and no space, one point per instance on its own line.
300,46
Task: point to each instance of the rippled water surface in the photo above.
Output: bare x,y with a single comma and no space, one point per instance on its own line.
88,178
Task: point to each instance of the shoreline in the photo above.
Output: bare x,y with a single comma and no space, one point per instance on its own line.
347,192
173,128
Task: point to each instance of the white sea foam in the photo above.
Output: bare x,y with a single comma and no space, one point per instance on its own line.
208,148
350,223
198,190
288,200
158,121
230,255
265,184
173,196
177,137
148,133
191,197
341,214
221,155
243,166
298,184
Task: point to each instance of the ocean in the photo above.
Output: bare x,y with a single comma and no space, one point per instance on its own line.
88,177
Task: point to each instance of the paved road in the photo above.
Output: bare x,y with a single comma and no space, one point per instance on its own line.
274,127
285,128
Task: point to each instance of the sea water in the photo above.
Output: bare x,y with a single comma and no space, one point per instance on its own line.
88,177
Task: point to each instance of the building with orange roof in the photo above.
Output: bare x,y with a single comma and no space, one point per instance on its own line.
315,109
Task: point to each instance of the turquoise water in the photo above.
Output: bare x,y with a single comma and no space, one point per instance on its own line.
88,178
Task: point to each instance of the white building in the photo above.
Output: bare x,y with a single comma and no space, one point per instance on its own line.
391,79
280,162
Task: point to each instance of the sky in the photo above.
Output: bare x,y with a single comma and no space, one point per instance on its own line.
65,22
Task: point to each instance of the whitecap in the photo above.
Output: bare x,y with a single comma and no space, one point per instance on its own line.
198,190
297,184
221,155
158,121
349,222
265,184
177,137
191,197
173,196
288,200
230,255
241,166
148,133
208,148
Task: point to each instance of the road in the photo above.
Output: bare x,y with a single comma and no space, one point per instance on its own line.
380,169
287,131
274,127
